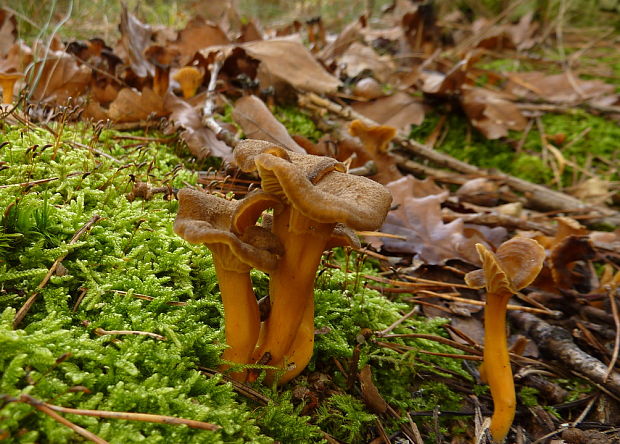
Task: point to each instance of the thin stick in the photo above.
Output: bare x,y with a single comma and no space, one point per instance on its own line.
102,332
48,410
482,303
19,316
144,417
207,111
614,356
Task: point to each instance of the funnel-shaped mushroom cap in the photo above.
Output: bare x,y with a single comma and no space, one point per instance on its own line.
204,218
316,186
376,139
189,79
513,267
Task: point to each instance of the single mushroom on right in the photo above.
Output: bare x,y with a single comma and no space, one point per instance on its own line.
514,266
228,229
316,194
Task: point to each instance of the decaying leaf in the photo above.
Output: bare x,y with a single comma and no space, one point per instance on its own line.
399,110
132,106
58,78
291,62
257,122
491,113
562,88
200,140
419,220
197,35
135,38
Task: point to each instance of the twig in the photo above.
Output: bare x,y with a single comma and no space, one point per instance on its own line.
19,316
107,414
207,111
102,332
47,409
547,312
558,342
39,181
538,196
614,356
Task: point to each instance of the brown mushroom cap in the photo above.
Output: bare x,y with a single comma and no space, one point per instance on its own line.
316,186
207,219
513,267
376,139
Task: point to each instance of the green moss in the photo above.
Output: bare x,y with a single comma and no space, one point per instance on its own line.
591,143
528,396
297,122
132,251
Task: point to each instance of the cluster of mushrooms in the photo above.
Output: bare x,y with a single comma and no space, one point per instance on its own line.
314,205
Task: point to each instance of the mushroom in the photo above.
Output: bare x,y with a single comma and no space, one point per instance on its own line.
237,245
189,78
7,83
316,194
513,267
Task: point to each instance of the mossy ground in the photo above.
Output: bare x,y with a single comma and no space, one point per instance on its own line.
590,142
58,354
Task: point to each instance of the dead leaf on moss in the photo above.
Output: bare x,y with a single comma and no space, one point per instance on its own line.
8,31
419,220
359,58
560,88
290,61
491,113
257,122
200,140
197,35
58,78
135,38
133,106
399,110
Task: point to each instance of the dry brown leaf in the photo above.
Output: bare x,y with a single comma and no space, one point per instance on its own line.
290,61
560,88
58,78
370,394
491,113
200,140
359,58
8,31
448,84
257,122
135,38
197,35
419,220
349,34
133,106
398,110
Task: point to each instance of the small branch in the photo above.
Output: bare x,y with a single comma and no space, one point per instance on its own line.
19,316
207,111
102,332
614,311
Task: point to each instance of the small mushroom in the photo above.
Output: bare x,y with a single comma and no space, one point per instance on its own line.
316,194
237,245
189,79
513,267
7,83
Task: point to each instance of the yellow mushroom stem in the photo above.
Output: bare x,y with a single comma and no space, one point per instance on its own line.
241,315
291,289
496,369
